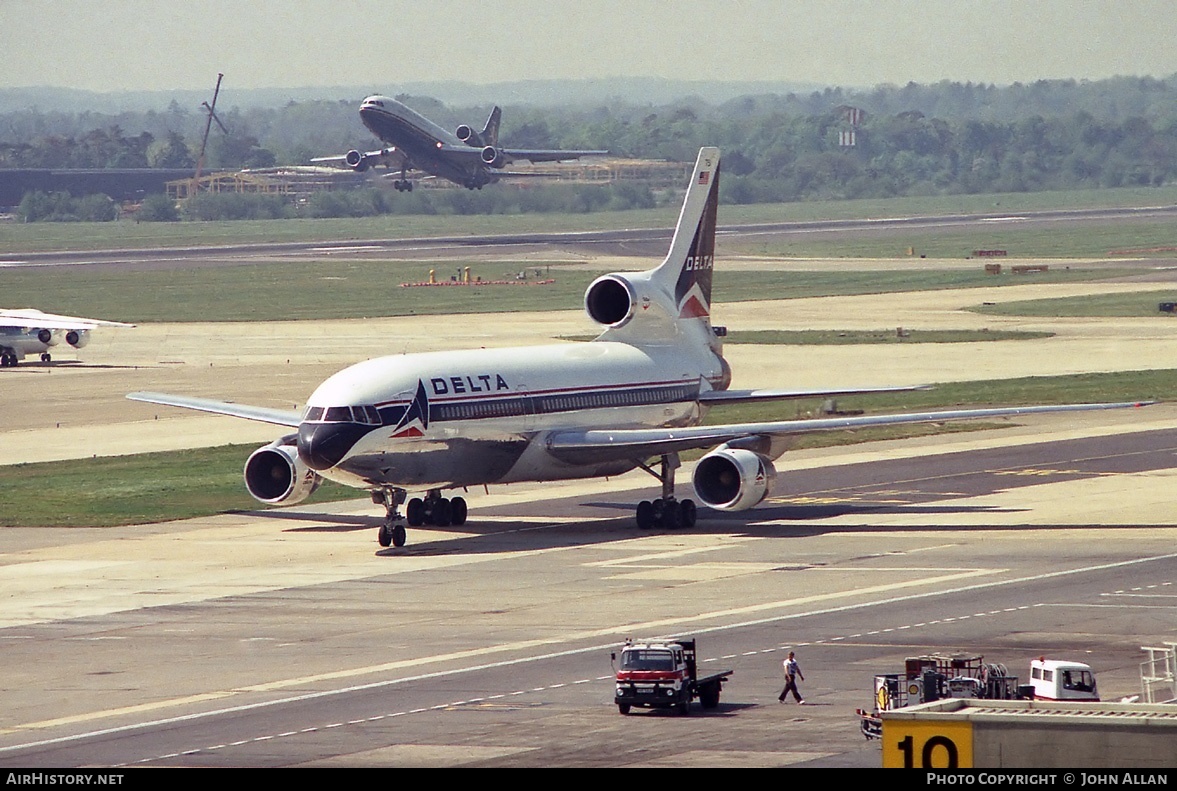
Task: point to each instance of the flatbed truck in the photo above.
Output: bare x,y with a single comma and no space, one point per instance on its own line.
663,674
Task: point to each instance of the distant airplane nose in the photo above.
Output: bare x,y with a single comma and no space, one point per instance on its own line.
321,446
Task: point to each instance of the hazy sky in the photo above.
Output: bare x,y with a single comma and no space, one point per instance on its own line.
110,45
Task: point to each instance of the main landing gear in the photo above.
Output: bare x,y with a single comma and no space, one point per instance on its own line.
432,510
666,511
403,184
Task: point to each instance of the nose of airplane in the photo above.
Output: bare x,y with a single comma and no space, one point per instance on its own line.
323,445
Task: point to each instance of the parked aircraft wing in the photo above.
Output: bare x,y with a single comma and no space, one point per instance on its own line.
30,317
580,447
715,397
279,417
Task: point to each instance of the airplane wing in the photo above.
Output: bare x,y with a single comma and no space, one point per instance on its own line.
584,447
30,317
278,417
391,157
546,155
717,397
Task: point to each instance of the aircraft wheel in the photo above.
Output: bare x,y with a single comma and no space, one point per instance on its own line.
672,515
689,513
415,512
385,535
398,535
458,511
442,513
46,357
408,186
646,520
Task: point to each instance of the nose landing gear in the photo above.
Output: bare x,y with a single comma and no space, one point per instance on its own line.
432,510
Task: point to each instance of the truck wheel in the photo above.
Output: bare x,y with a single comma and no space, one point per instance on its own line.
684,708
623,708
709,697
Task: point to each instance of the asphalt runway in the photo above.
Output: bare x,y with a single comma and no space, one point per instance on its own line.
291,639
650,243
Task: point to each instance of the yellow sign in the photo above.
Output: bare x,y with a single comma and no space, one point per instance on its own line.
923,744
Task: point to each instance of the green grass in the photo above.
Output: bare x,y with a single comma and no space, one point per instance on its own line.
155,487
122,490
1136,303
358,289
17,237
1088,239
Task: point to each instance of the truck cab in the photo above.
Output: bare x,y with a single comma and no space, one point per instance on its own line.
663,674
1053,679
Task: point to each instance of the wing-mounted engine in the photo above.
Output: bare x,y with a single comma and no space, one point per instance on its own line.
493,157
733,479
356,161
274,474
45,337
77,338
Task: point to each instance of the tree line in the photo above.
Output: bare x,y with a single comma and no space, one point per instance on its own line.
943,138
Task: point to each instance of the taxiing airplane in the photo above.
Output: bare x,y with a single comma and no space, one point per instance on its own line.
632,398
30,331
467,157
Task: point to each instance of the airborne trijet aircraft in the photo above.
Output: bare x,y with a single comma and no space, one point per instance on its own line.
632,398
465,156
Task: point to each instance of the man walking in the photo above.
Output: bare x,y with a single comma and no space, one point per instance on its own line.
792,673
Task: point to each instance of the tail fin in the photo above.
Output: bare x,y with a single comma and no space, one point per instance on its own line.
490,132
686,272
672,302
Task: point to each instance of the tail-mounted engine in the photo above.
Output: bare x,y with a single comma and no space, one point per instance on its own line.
77,338
733,479
610,300
274,474
467,135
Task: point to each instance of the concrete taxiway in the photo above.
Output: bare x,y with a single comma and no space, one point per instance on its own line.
289,638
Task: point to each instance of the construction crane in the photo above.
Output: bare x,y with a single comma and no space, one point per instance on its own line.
211,110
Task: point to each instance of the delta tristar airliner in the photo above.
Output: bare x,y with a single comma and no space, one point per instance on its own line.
632,398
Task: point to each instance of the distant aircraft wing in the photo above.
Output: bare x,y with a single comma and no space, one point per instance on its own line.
391,157
716,397
278,417
580,447
546,155
30,317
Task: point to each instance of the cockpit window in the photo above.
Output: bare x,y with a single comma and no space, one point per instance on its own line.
366,414
337,414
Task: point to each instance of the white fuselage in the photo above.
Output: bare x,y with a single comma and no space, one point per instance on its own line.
24,340
475,417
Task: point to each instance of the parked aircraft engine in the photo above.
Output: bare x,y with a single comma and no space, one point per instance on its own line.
492,157
44,336
610,300
275,474
468,136
733,479
77,338
356,161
